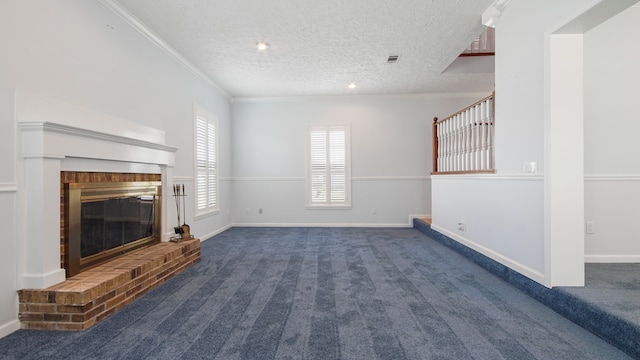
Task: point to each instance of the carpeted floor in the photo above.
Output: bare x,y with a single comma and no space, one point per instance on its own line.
324,293
614,287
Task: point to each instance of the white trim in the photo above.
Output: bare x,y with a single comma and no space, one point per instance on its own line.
391,178
215,232
611,259
183,178
138,25
514,265
41,281
43,156
206,214
331,225
9,327
353,178
85,133
612,178
508,177
266,179
8,188
328,207
311,98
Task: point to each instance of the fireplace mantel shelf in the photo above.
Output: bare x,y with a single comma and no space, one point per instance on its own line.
47,126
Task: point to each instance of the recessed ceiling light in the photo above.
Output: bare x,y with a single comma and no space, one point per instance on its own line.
262,45
352,86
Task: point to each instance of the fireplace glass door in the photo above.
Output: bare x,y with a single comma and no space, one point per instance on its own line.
106,220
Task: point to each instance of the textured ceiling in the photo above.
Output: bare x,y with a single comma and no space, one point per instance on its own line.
318,47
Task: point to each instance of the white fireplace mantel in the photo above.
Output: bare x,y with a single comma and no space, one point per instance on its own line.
53,135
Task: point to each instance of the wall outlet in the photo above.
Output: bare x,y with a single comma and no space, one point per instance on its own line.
260,211
589,227
246,211
374,211
461,227
530,167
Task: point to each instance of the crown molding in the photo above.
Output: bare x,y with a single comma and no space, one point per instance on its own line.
138,25
309,98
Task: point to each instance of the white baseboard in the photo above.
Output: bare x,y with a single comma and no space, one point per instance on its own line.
355,225
514,265
215,232
612,259
9,327
41,281
409,224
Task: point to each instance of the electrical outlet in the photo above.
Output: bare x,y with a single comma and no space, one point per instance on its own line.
530,167
246,211
461,227
589,227
260,211
374,211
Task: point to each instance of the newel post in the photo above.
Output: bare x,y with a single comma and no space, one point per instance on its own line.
434,133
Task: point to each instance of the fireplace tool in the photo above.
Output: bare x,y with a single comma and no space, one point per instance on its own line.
183,231
186,229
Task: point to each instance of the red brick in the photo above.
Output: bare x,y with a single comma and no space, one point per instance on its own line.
37,325
31,316
105,297
41,308
57,317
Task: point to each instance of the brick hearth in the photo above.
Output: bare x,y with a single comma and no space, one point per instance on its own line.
87,298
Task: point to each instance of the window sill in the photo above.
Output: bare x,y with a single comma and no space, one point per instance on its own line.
205,214
328,207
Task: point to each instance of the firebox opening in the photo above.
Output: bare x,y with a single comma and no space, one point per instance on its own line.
106,220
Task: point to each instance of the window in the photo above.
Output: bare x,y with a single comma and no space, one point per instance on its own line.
328,174
206,162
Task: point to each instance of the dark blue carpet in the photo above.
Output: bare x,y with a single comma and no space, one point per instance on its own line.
608,305
325,293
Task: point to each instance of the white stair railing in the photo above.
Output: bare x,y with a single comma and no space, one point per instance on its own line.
464,141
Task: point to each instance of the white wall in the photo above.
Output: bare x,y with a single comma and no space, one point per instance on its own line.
502,217
612,169
82,53
8,303
512,202
390,156
537,219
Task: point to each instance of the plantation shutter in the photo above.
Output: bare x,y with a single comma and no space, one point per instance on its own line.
206,166
328,165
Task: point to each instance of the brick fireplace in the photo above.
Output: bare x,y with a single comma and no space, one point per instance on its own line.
61,143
